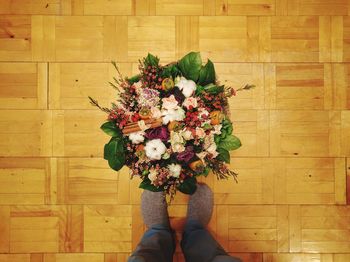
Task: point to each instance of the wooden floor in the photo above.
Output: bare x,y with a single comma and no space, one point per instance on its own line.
59,201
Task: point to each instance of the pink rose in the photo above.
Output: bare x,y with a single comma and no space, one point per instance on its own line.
169,102
200,133
190,101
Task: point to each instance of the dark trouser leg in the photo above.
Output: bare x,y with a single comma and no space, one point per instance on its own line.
156,245
198,245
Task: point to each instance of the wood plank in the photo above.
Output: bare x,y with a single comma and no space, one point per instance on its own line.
5,229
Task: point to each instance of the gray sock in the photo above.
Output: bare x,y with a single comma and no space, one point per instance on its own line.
154,208
200,205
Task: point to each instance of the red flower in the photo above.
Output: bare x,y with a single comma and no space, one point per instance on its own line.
135,117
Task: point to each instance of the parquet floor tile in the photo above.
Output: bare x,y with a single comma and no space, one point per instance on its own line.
59,201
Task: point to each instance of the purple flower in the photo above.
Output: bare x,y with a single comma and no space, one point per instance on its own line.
158,132
186,155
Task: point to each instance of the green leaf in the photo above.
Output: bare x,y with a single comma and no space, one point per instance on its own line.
205,172
199,90
214,89
224,155
190,65
151,60
111,129
207,126
223,134
114,153
134,79
113,147
230,142
229,129
189,186
171,71
146,184
117,162
227,125
207,74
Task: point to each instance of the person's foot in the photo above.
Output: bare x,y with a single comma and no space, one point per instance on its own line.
200,205
154,208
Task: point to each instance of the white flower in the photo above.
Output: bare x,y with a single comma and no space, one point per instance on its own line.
169,102
187,134
202,111
156,113
217,129
186,86
152,174
174,170
177,114
208,140
202,155
177,141
176,137
138,84
178,147
212,150
154,149
190,101
137,137
200,133
209,145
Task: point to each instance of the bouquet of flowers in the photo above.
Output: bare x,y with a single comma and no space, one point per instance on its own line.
170,124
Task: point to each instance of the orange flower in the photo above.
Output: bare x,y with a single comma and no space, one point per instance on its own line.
215,117
172,125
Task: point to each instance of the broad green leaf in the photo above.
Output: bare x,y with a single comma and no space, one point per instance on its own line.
217,139
114,153
207,74
227,125
110,148
229,129
117,161
151,60
146,184
189,186
230,142
224,155
111,129
223,134
190,65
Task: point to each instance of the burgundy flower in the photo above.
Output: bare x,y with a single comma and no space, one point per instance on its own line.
186,155
178,94
159,132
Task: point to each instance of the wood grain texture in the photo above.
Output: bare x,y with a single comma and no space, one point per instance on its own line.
59,200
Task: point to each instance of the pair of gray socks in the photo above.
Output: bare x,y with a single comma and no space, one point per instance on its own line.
155,212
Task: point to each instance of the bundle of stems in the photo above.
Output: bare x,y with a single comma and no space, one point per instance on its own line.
134,126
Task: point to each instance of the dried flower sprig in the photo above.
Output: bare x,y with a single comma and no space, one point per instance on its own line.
95,103
220,170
